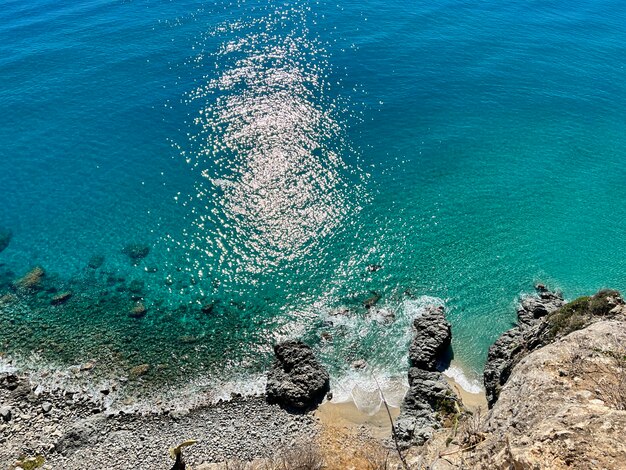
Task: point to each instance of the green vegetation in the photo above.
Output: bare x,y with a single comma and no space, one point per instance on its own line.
580,312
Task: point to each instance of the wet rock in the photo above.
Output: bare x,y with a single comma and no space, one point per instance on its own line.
136,252
138,311
373,267
382,315
431,339
151,269
5,239
61,298
95,262
371,301
359,364
297,380
31,280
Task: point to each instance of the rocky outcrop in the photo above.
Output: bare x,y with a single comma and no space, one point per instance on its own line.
431,339
136,252
563,405
542,319
518,341
297,380
429,397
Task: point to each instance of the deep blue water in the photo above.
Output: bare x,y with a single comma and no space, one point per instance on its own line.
268,152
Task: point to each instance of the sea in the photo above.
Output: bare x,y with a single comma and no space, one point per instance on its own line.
249,171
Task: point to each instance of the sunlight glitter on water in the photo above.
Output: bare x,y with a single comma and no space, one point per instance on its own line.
267,147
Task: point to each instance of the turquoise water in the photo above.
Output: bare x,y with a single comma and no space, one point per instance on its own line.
268,152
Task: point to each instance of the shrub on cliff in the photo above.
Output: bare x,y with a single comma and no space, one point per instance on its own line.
578,313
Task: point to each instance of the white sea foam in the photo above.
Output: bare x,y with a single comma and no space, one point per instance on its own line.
368,390
467,383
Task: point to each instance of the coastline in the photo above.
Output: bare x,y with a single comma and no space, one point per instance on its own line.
72,429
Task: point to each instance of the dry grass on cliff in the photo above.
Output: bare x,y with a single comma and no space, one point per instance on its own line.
603,369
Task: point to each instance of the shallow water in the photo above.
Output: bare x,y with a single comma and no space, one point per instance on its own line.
268,152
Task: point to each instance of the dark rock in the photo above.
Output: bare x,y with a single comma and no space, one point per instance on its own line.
5,239
95,262
297,380
61,298
84,433
517,342
6,413
373,267
208,308
428,399
136,252
151,269
136,286
431,340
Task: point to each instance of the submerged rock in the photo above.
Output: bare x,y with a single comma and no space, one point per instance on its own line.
297,380
136,252
371,301
431,340
31,280
5,239
138,311
61,298
96,262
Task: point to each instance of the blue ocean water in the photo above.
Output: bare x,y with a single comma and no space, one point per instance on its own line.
269,152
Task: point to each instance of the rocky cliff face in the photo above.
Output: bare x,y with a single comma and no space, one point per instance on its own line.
557,387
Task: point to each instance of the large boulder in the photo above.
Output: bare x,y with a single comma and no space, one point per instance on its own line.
297,380
431,339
